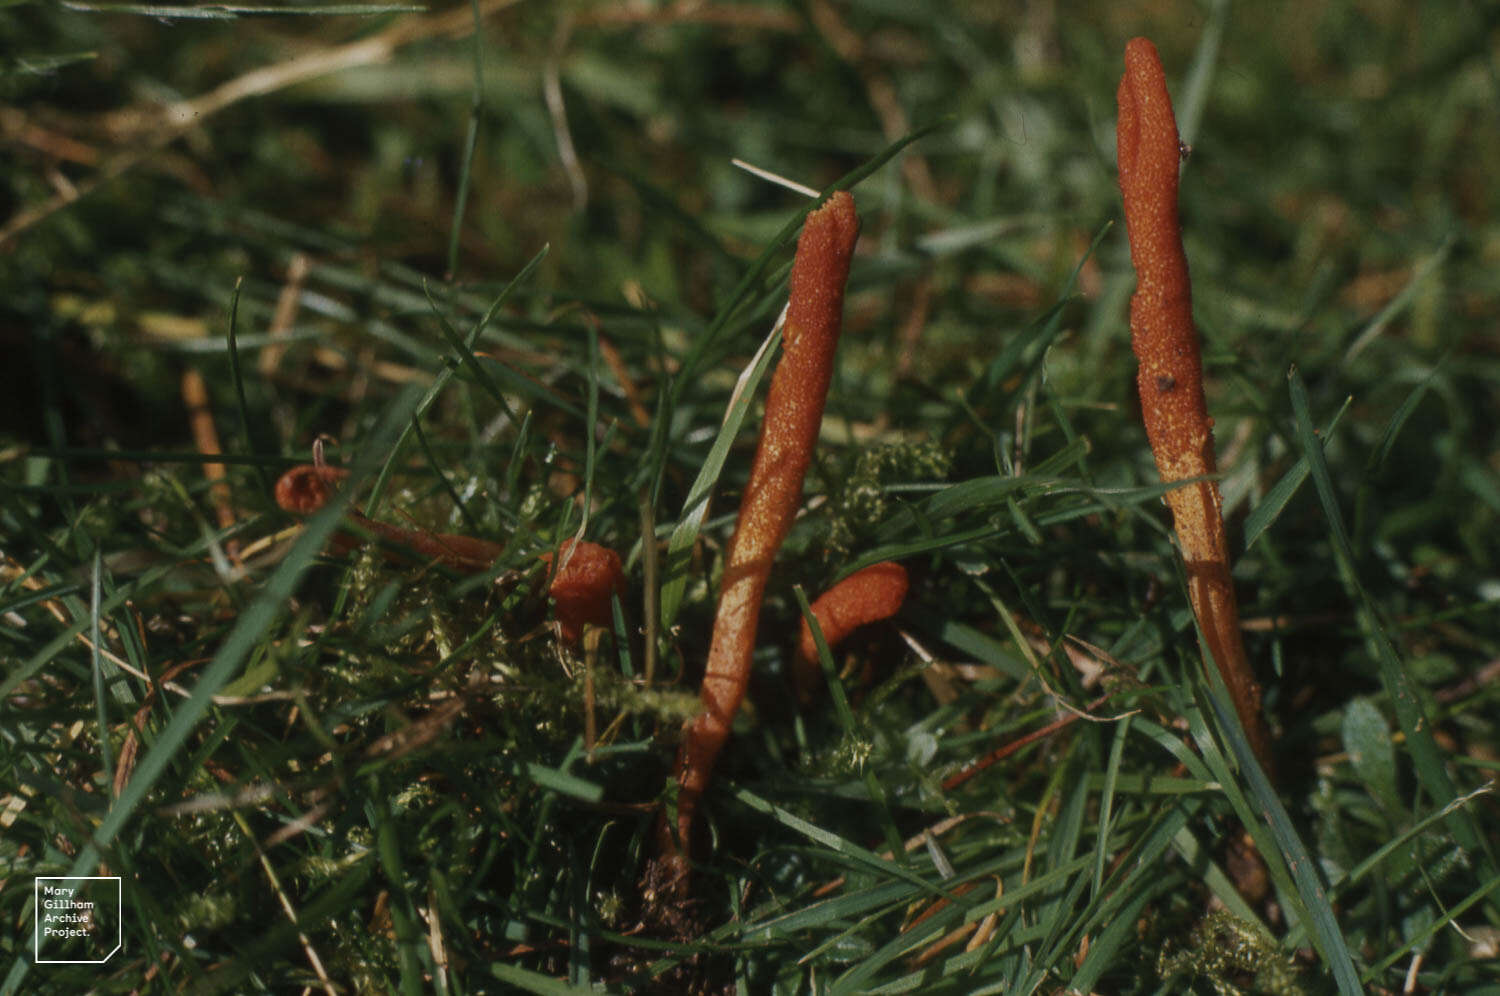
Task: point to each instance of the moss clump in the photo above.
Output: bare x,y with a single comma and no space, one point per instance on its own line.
1232,956
859,505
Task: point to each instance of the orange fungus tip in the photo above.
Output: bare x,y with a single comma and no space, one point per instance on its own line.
307,487
590,574
866,596
1146,141
1161,318
821,268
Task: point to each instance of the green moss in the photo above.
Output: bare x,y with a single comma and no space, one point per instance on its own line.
1232,957
861,501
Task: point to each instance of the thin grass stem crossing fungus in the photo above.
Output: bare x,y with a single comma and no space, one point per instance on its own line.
794,411
1170,379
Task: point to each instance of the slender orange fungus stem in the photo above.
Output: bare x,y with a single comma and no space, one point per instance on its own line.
794,411
1170,380
581,589
306,488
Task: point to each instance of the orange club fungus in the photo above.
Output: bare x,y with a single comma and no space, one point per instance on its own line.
868,595
794,411
589,576
1170,380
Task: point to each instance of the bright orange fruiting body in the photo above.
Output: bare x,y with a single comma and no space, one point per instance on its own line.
868,595
590,574
794,411
1161,311
307,487
1170,380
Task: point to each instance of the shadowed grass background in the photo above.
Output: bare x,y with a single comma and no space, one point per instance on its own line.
349,773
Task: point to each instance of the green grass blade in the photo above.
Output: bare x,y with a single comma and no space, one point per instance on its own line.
1107,800
29,667
230,11
1195,88
856,854
1422,937
1414,723
471,142
695,507
525,980
247,633
1275,501
879,798
101,714
238,378
1325,931
465,349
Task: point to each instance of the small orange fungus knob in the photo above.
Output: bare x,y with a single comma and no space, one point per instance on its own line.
866,596
307,487
590,574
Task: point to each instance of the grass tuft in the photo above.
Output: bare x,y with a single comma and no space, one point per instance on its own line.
497,258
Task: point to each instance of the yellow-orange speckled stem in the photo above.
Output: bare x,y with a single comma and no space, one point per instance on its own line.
794,410
1171,369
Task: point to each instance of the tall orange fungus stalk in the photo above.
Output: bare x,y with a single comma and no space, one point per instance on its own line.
1170,380
794,411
